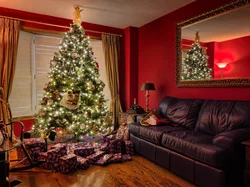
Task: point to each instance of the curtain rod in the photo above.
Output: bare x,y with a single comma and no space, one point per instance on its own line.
54,25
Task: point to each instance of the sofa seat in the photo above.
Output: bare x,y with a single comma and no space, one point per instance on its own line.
196,145
152,134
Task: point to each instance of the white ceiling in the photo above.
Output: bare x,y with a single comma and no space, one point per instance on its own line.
114,13
234,24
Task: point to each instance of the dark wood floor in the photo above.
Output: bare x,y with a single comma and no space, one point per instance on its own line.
139,172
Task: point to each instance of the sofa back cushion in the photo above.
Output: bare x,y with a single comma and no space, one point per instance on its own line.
218,116
183,112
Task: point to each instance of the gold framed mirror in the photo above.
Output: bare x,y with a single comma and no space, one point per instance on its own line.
218,30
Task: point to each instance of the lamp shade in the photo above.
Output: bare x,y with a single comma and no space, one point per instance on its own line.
222,65
147,86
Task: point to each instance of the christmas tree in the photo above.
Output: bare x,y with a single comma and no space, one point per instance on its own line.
195,64
73,99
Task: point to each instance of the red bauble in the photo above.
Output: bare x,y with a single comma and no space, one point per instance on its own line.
46,88
190,70
97,65
45,100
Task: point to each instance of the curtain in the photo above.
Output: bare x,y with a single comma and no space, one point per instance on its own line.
9,33
111,48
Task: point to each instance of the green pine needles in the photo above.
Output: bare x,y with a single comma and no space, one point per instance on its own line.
73,99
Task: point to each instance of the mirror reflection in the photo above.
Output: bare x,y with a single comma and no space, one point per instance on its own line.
218,47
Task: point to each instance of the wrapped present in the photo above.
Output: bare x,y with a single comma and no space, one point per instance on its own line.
116,146
129,147
95,139
117,157
54,146
43,157
111,137
84,151
68,163
35,142
123,131
104,147
33,152
126,157
54,155
104,159
94,157
71,147
82,163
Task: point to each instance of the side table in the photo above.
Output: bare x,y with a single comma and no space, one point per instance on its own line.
247,164
126,118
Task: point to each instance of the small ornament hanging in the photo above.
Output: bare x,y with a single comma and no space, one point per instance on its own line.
88,113
74,55
55,94
45,100
97,65
50,102
43,112
82,126
46,88
52,63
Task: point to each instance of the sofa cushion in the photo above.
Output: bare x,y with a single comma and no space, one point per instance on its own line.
183,112
196,145
152,134
219,116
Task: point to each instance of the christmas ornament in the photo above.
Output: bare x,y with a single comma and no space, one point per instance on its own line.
55,94
97,65
43,112
74,55
82,126
71,100
46,88
45,100
50,102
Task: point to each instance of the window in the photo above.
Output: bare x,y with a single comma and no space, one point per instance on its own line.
32,67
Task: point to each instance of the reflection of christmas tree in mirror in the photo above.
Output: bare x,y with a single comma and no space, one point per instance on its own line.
195,64
73,99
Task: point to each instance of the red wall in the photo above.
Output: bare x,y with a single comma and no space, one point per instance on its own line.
236,53
131,65
157,58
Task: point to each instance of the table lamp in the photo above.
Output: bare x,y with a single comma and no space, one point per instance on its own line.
147,86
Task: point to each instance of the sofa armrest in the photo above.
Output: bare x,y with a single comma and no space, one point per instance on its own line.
139,117
232,138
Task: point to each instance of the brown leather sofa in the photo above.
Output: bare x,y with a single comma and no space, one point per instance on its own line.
205,146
